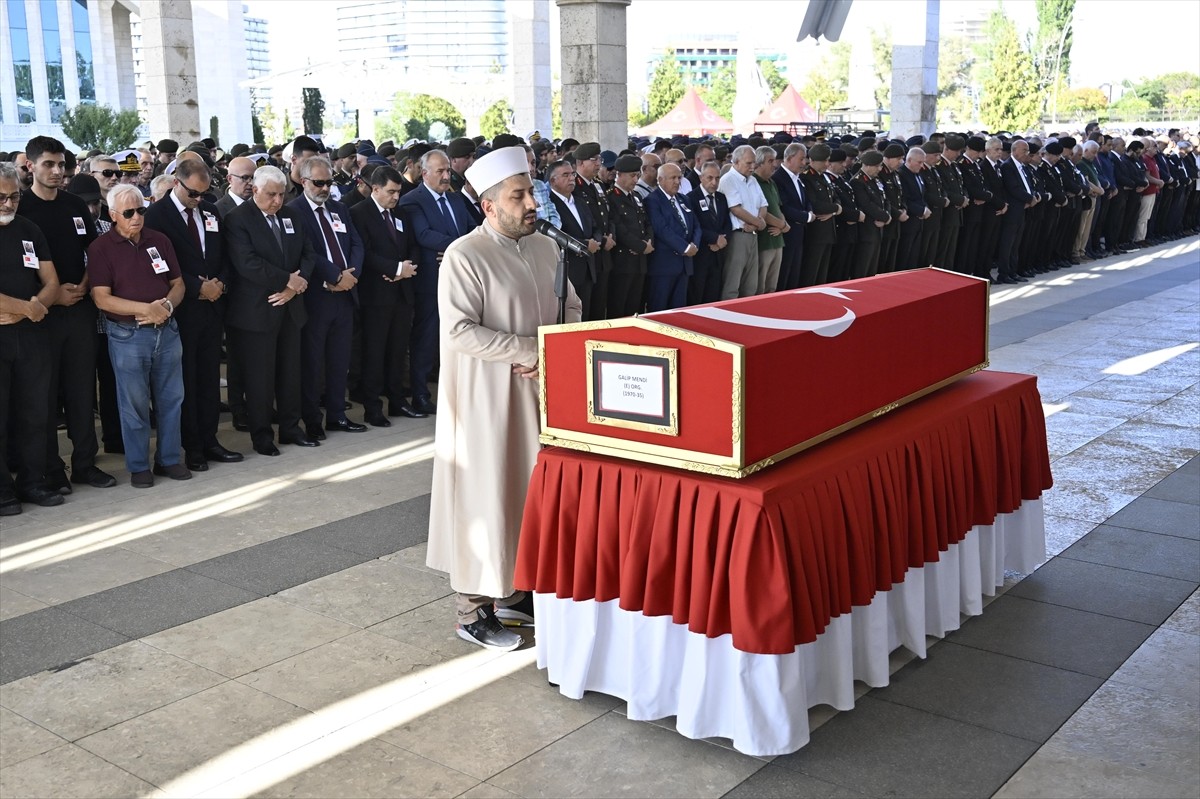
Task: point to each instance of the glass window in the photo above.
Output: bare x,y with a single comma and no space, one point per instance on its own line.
83,52
22,69
52,43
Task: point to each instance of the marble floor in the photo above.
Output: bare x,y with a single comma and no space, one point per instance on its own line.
269,628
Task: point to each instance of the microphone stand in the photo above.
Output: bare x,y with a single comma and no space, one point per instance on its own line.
560,285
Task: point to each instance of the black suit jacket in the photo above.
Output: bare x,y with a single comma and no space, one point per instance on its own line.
914,191
994,183
226,203
263,268
382,254
711,226
575,230
195,266
1014,189
324,270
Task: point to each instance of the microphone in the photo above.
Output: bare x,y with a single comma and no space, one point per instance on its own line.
561,239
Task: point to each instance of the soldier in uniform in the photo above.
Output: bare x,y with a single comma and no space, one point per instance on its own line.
1063,240
461,153
822,231
952,184
1041,218
634,240
589,192
848,220
893,156
966,258
872,202
936,201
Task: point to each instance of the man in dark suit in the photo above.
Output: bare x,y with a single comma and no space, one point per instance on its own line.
677,235
712,211
439,216
337,266
386,296
194,228
241,188
793,202
1019,195
634,237
996,208
273,261
908,256
577,223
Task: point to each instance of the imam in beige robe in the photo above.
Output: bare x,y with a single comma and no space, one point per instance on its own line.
493,293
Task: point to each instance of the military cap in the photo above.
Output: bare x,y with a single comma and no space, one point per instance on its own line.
1053,148
378,160
127,161
1068,142
417,150
866,143
85,187
305,144
209,142
955,142
782,137
914,141
836,155
542,145
238,150
587,150
568,142
1034,148
480,151
819,152
258,158
386,149
608,158
506,140
976,144
931,147
871,158
461,148
894,151
690,151
345,151
364,147
628,163
168,146
820,135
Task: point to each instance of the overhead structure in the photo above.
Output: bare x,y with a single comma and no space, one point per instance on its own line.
824,19
690,117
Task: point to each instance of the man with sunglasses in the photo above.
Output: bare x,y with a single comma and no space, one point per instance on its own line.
241,188
104,169
194,228
67,224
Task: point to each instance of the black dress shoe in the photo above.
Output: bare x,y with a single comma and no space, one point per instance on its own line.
377,420
58,482
315,432
176,471
266,449
93,477
404,409
195,461
41,496
10,506
241,422
221,455
424,406
299,440
344,425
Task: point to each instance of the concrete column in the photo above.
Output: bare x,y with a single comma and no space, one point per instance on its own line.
8,82
122,64
914,72
594,93
66,30
37,59
169,55
529,61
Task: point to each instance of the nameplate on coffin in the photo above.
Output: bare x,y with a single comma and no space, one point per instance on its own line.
731,387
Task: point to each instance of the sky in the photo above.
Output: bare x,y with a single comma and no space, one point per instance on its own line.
1101,53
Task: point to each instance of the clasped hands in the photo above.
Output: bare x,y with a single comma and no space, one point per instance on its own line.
295,285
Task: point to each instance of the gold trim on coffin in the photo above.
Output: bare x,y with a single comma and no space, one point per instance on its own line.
722,467
671,356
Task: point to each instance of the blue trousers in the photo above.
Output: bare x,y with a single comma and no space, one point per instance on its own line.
148,361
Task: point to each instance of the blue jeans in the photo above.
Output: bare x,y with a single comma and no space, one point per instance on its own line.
147,362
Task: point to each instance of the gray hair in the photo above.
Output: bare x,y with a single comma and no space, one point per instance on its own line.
427,157
795,147
665,168
707,165
1090,146
556,167
269,174
762,154
741,152
124,189
313,161
100,159
914,151
8,171
995,141
161,185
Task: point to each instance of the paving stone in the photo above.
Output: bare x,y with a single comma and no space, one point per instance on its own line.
68,772
369,592
48,638
277,565
21,739
1178,487
1159,516
1139,551
378,532
776,782
1054,772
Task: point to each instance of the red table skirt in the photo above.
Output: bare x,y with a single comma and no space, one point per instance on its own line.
771,558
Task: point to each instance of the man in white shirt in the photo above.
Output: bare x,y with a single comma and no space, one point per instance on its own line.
746,204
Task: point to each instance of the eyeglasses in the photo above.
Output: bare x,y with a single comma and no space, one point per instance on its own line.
128,214
108,173
320,184
191,193
10,198
246,178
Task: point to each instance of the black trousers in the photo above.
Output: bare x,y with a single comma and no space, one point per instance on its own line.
385,336
235,386
71,339
708,271
626,287
600,288
841,259
947,244
866,252
814,269
325,353
792,264
989,239
200,333
1009,240
423,348
1133,204
888,248
271,360
1114,222
908,255
967,249
24,386
581,279
110,415
931,229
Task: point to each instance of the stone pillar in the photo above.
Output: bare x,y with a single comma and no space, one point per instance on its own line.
169,53
529,63
914,72
594,93
122,66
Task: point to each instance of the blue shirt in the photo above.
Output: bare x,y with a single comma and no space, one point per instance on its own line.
546,209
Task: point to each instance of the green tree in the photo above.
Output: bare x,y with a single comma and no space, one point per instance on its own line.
775,81
1052,47
956,61
666,86
637,117
722,90
495,120
413,115
314,111
256,130
828,85
289,130
1006,101
556,126
214,129
1076,104
98,127
881,59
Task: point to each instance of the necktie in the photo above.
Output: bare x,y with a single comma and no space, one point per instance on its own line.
445,206
712,206
194,231
276,230
335,249
390,224
679,212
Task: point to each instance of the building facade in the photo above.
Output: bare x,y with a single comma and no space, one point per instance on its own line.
456,36
700,57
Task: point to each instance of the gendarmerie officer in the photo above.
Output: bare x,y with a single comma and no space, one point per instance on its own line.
935,200
952,183
848,221
821,234
872,201
967,258
893,156
634,240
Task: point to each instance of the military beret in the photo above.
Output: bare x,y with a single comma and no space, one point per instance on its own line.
608,158
956,143
1034,148
386,149
278,148
1068,142
1053,148
542,145
461,148
345,151
931,148
587,150
569,142
239,149
506,140
976,144
819,152
850,150
782,137
893,151
628,163
836,155
168,146
305,144
210,143
914,141
690,151
199,149
378,160
871,158
365,147
866,143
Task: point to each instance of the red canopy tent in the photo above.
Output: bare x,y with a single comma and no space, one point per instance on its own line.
789,107
691,117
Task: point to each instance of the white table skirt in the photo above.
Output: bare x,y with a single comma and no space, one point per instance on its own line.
761,702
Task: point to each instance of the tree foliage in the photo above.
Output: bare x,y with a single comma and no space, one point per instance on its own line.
881,60
556,128
98,127
1083,102
828,85
495,120
722,90
1052,47
1007,101
666,86
414,115
256,130
776,82
956,65
314,111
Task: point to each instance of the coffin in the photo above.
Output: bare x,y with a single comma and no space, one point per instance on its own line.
732,387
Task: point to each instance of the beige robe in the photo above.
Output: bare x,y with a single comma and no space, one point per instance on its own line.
493,293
